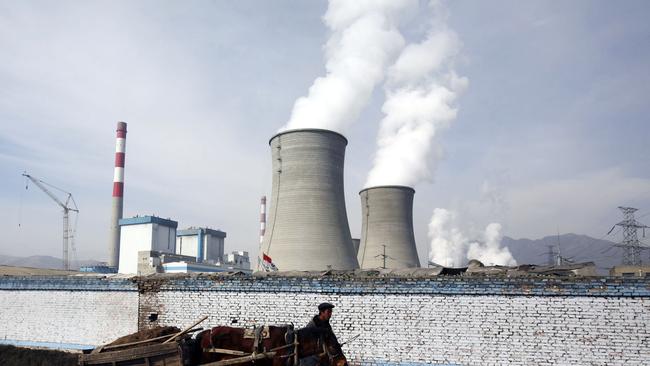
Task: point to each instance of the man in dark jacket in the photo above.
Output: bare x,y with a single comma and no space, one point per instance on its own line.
321,321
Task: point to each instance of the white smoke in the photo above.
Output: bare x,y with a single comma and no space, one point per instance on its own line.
451,247
421,90
365,39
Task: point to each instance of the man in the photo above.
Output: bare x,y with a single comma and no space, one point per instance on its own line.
321,321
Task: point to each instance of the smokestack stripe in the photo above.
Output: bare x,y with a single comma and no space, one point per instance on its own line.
262,218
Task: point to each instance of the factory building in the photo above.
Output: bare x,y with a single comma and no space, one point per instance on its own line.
237,260
152,261
206,245
387,239
144,233
307,225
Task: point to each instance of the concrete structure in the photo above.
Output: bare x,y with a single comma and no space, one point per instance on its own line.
387,237
152,261
118,196
356,243
307,222
401,321
190,267
142,233
204,244
237,260
630,271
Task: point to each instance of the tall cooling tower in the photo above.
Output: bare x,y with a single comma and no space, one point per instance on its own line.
307,226
387,237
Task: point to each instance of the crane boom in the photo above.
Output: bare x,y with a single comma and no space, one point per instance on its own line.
40,185
68,236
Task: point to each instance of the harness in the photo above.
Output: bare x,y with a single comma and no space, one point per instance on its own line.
259,334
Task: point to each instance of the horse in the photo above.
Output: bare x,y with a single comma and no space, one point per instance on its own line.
314,346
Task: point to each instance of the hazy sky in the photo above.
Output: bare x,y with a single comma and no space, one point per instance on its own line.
552,129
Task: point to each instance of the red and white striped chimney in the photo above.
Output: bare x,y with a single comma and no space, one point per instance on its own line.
118,196
262,219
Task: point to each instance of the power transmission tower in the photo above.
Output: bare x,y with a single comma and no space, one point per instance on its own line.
631,245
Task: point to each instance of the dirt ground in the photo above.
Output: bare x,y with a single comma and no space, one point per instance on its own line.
16,356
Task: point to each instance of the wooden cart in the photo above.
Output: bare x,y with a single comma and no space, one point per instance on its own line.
161,354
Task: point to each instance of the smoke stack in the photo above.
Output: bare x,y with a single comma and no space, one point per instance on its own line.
387,238
262,219
308,224
118,196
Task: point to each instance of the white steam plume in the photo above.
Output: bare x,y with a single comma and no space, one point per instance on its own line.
365,40
451,247
421,90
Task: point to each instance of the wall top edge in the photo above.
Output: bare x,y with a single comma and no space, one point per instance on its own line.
442,285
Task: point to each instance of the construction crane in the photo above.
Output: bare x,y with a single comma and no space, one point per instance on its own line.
68,235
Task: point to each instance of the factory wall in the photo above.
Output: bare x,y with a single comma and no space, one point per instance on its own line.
213,244
401,321
136,238
187,245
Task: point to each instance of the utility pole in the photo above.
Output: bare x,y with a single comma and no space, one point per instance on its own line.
560,259
384,256
631,245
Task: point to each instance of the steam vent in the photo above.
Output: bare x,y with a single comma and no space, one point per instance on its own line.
387,213
307,226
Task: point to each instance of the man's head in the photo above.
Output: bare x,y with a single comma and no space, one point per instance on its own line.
325,311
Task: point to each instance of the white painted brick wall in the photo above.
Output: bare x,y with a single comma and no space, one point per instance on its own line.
78,317
457,329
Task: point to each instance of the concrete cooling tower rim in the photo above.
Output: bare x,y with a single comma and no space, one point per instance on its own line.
390,186
319,130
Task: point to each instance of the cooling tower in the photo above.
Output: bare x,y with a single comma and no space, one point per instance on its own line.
307,227
387,238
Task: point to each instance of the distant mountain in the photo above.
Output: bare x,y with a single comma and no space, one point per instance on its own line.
577,248
42,261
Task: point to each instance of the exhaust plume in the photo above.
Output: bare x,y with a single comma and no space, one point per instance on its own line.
451,247
421,90
365,39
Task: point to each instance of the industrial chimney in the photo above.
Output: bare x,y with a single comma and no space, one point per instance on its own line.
387,239
118,196
308,224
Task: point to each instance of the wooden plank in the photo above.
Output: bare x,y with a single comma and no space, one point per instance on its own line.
226,351
146,340
238,360
169,350
186,329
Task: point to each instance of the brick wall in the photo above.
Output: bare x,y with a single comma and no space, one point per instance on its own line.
444,320
464,321
68,310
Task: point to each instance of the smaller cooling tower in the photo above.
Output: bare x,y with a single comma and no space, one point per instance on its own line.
387,221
